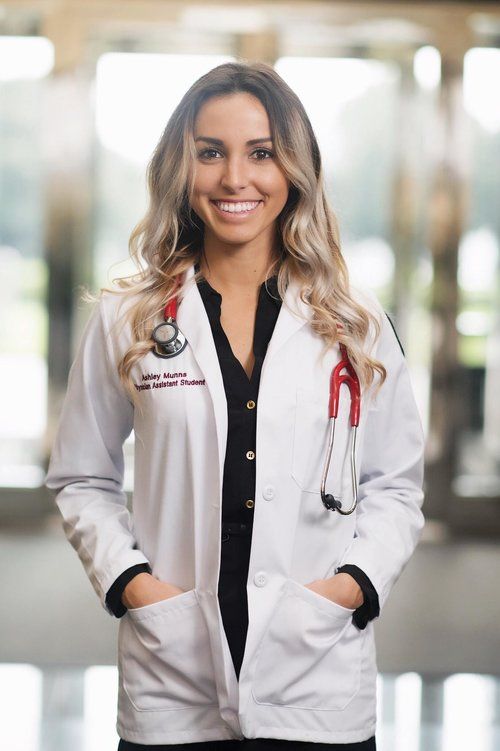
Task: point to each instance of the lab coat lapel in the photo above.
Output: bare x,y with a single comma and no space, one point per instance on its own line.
193,322
294,313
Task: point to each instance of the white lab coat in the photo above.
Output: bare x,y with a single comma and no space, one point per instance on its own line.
308,673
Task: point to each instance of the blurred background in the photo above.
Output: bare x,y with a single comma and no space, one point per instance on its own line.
405,102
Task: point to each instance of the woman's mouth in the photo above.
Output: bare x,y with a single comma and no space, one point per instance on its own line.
234,211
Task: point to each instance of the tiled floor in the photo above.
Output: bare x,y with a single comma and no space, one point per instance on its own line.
73,709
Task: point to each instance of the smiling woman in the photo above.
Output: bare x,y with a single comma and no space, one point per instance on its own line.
246,605
239,190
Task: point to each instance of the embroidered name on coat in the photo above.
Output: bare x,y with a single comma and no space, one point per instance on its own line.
164,380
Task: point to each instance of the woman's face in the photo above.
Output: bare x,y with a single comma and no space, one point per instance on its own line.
230,171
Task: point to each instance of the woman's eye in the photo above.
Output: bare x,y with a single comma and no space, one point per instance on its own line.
263,151
206,153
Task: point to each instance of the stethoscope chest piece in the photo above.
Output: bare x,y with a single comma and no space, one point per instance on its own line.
169,341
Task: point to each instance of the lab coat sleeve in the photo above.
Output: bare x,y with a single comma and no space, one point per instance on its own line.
369,609
86,464
115,593
389,517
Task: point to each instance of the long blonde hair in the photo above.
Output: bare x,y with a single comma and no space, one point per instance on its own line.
168,239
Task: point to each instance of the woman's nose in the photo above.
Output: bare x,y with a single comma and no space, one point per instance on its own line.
235,173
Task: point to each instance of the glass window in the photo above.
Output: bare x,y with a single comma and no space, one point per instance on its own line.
478,321
25,64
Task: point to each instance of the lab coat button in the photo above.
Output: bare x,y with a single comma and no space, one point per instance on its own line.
260,579
268,492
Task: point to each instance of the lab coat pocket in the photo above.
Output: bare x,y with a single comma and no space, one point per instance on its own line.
310,441
310,656
164,655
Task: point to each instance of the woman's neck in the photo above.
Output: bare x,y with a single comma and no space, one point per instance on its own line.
236,275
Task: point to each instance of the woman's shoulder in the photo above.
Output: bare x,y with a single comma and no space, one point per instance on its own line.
365,296
368,299
115,307
115,301
387,342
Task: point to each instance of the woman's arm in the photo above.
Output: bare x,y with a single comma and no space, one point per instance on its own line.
114,599
389,514
86,464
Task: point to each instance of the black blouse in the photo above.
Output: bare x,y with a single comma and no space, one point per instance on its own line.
238,494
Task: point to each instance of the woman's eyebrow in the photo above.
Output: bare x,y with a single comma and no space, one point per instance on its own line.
221,143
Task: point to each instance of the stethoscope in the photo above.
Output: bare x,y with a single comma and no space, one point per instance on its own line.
336,380
169,342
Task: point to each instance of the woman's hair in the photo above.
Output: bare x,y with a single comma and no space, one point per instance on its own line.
169,239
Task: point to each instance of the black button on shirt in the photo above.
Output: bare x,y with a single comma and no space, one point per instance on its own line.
238,492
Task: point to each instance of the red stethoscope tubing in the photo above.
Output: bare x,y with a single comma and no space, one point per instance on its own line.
351,380
170,310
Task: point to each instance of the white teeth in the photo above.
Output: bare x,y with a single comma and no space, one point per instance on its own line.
235,208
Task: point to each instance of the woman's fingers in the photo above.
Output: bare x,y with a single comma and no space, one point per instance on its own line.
145,589
341,588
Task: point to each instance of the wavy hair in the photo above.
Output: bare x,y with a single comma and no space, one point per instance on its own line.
168,239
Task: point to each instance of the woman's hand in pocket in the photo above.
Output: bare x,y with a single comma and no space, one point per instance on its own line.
341,588
145,589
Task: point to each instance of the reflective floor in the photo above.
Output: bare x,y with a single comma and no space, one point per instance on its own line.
73,709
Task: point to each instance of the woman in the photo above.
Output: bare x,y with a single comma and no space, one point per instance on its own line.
246,587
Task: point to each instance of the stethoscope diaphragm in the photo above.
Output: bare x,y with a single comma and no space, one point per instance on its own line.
169,341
